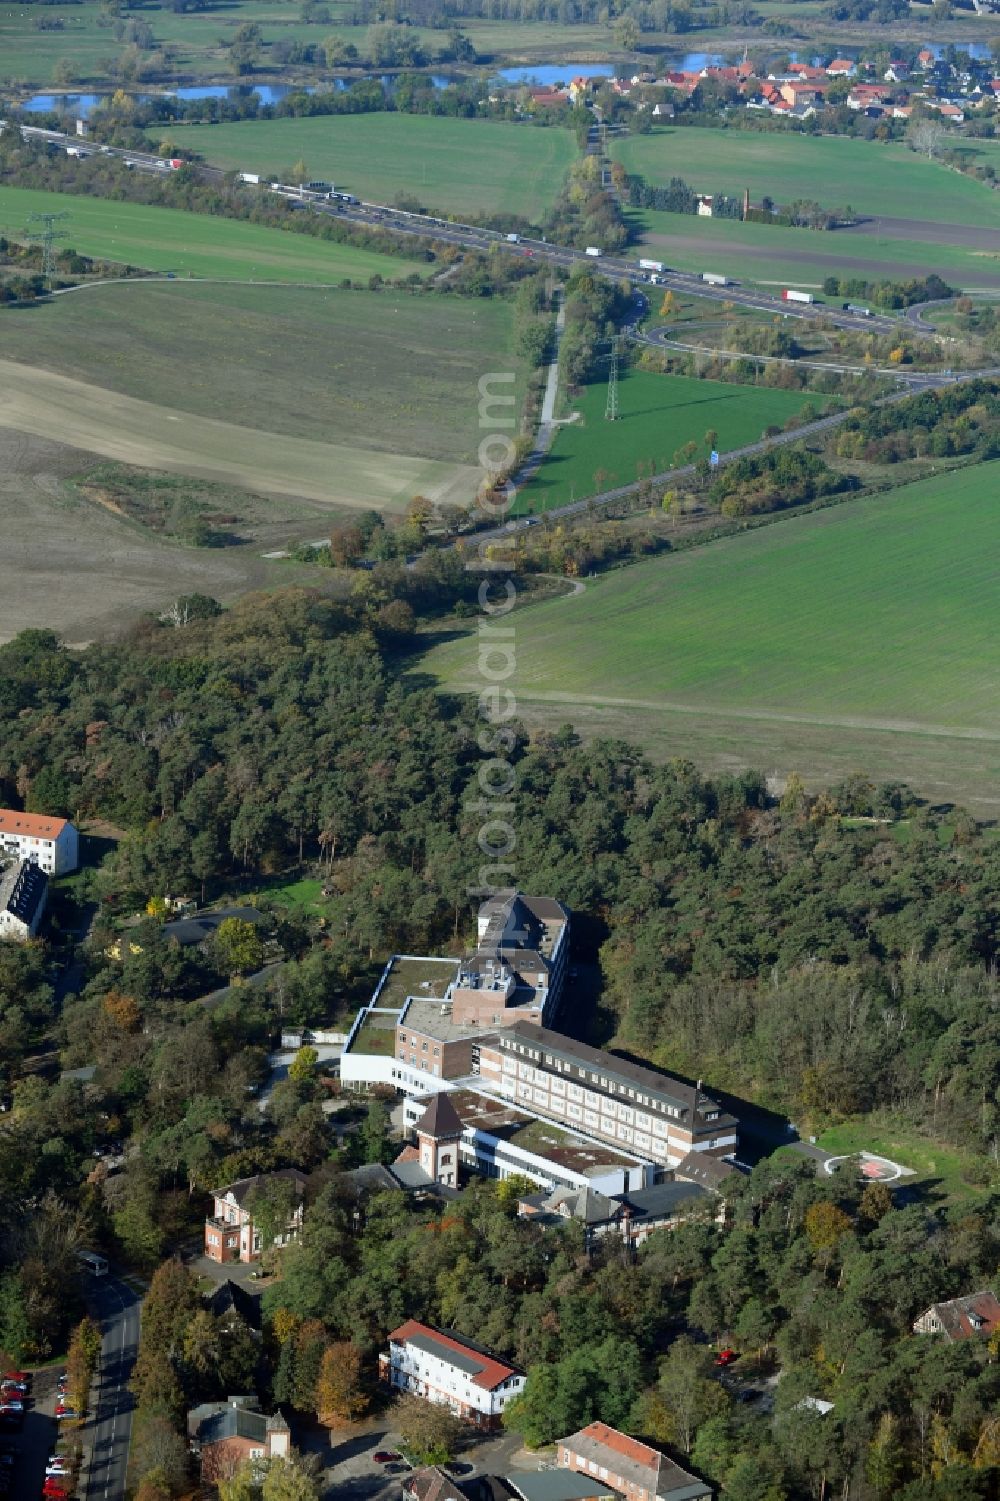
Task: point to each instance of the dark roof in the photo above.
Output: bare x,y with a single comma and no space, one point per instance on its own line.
243,1187
440,1119
487,1488
371,1177
188,931
710,1172
229,1297
678,1095
558,1485
22,891
584,1204
663,1200
238,1417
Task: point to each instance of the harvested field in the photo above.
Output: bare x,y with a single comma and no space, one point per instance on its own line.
71,566
118,427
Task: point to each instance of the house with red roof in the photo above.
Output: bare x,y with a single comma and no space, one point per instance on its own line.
449,1369
635,1470
841,67
962,1318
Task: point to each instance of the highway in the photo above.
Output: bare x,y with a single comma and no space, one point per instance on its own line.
109,1431
471,237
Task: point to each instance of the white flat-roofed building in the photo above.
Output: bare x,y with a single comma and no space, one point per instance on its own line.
50,843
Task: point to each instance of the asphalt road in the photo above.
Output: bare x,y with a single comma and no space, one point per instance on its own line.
470,237
110,1429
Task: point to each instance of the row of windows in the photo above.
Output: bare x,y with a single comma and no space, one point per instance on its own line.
604,1081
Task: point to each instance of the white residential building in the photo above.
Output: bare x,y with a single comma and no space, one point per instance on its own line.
447,1369
50,843
23,894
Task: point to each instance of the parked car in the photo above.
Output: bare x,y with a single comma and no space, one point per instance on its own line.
726,1357
11,1404
54,1491
24,1376
385,1456
63,1412
57,1466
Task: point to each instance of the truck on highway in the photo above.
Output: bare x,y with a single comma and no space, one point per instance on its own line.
251,177
593,250
861,312
712,279
514,239
791,296
650,265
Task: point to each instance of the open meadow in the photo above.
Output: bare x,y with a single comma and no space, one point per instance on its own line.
185,244
873,178
347,398
859,636
658,415
451,166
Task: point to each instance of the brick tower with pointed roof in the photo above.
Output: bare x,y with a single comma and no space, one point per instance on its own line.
439,1131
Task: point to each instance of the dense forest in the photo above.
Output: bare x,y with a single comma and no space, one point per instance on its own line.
822,954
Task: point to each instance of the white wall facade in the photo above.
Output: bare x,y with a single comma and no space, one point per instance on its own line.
415,1370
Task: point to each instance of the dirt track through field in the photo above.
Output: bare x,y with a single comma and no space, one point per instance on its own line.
118,427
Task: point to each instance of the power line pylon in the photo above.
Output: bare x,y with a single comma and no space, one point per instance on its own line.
47,237
611,413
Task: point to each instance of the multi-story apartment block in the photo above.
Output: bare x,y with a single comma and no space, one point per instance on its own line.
637,1108
50,843
633,1469
447,1369
230,1233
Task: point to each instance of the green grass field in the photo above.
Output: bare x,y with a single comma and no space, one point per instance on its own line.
659,413
871,177
773,255
863,635
941,1171
167,239
451,166
385,371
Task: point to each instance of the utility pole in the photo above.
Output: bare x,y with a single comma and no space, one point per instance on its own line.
611,413
47,237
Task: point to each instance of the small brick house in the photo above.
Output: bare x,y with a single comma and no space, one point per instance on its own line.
226,1434
633,1469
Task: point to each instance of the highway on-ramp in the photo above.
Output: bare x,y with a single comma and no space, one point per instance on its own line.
109,1431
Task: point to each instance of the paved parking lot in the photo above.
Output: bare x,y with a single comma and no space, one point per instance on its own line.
36,1440
350,1472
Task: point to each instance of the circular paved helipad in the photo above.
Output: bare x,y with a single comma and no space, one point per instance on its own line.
873,1169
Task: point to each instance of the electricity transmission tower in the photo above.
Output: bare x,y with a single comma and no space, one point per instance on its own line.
47,237
611,413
